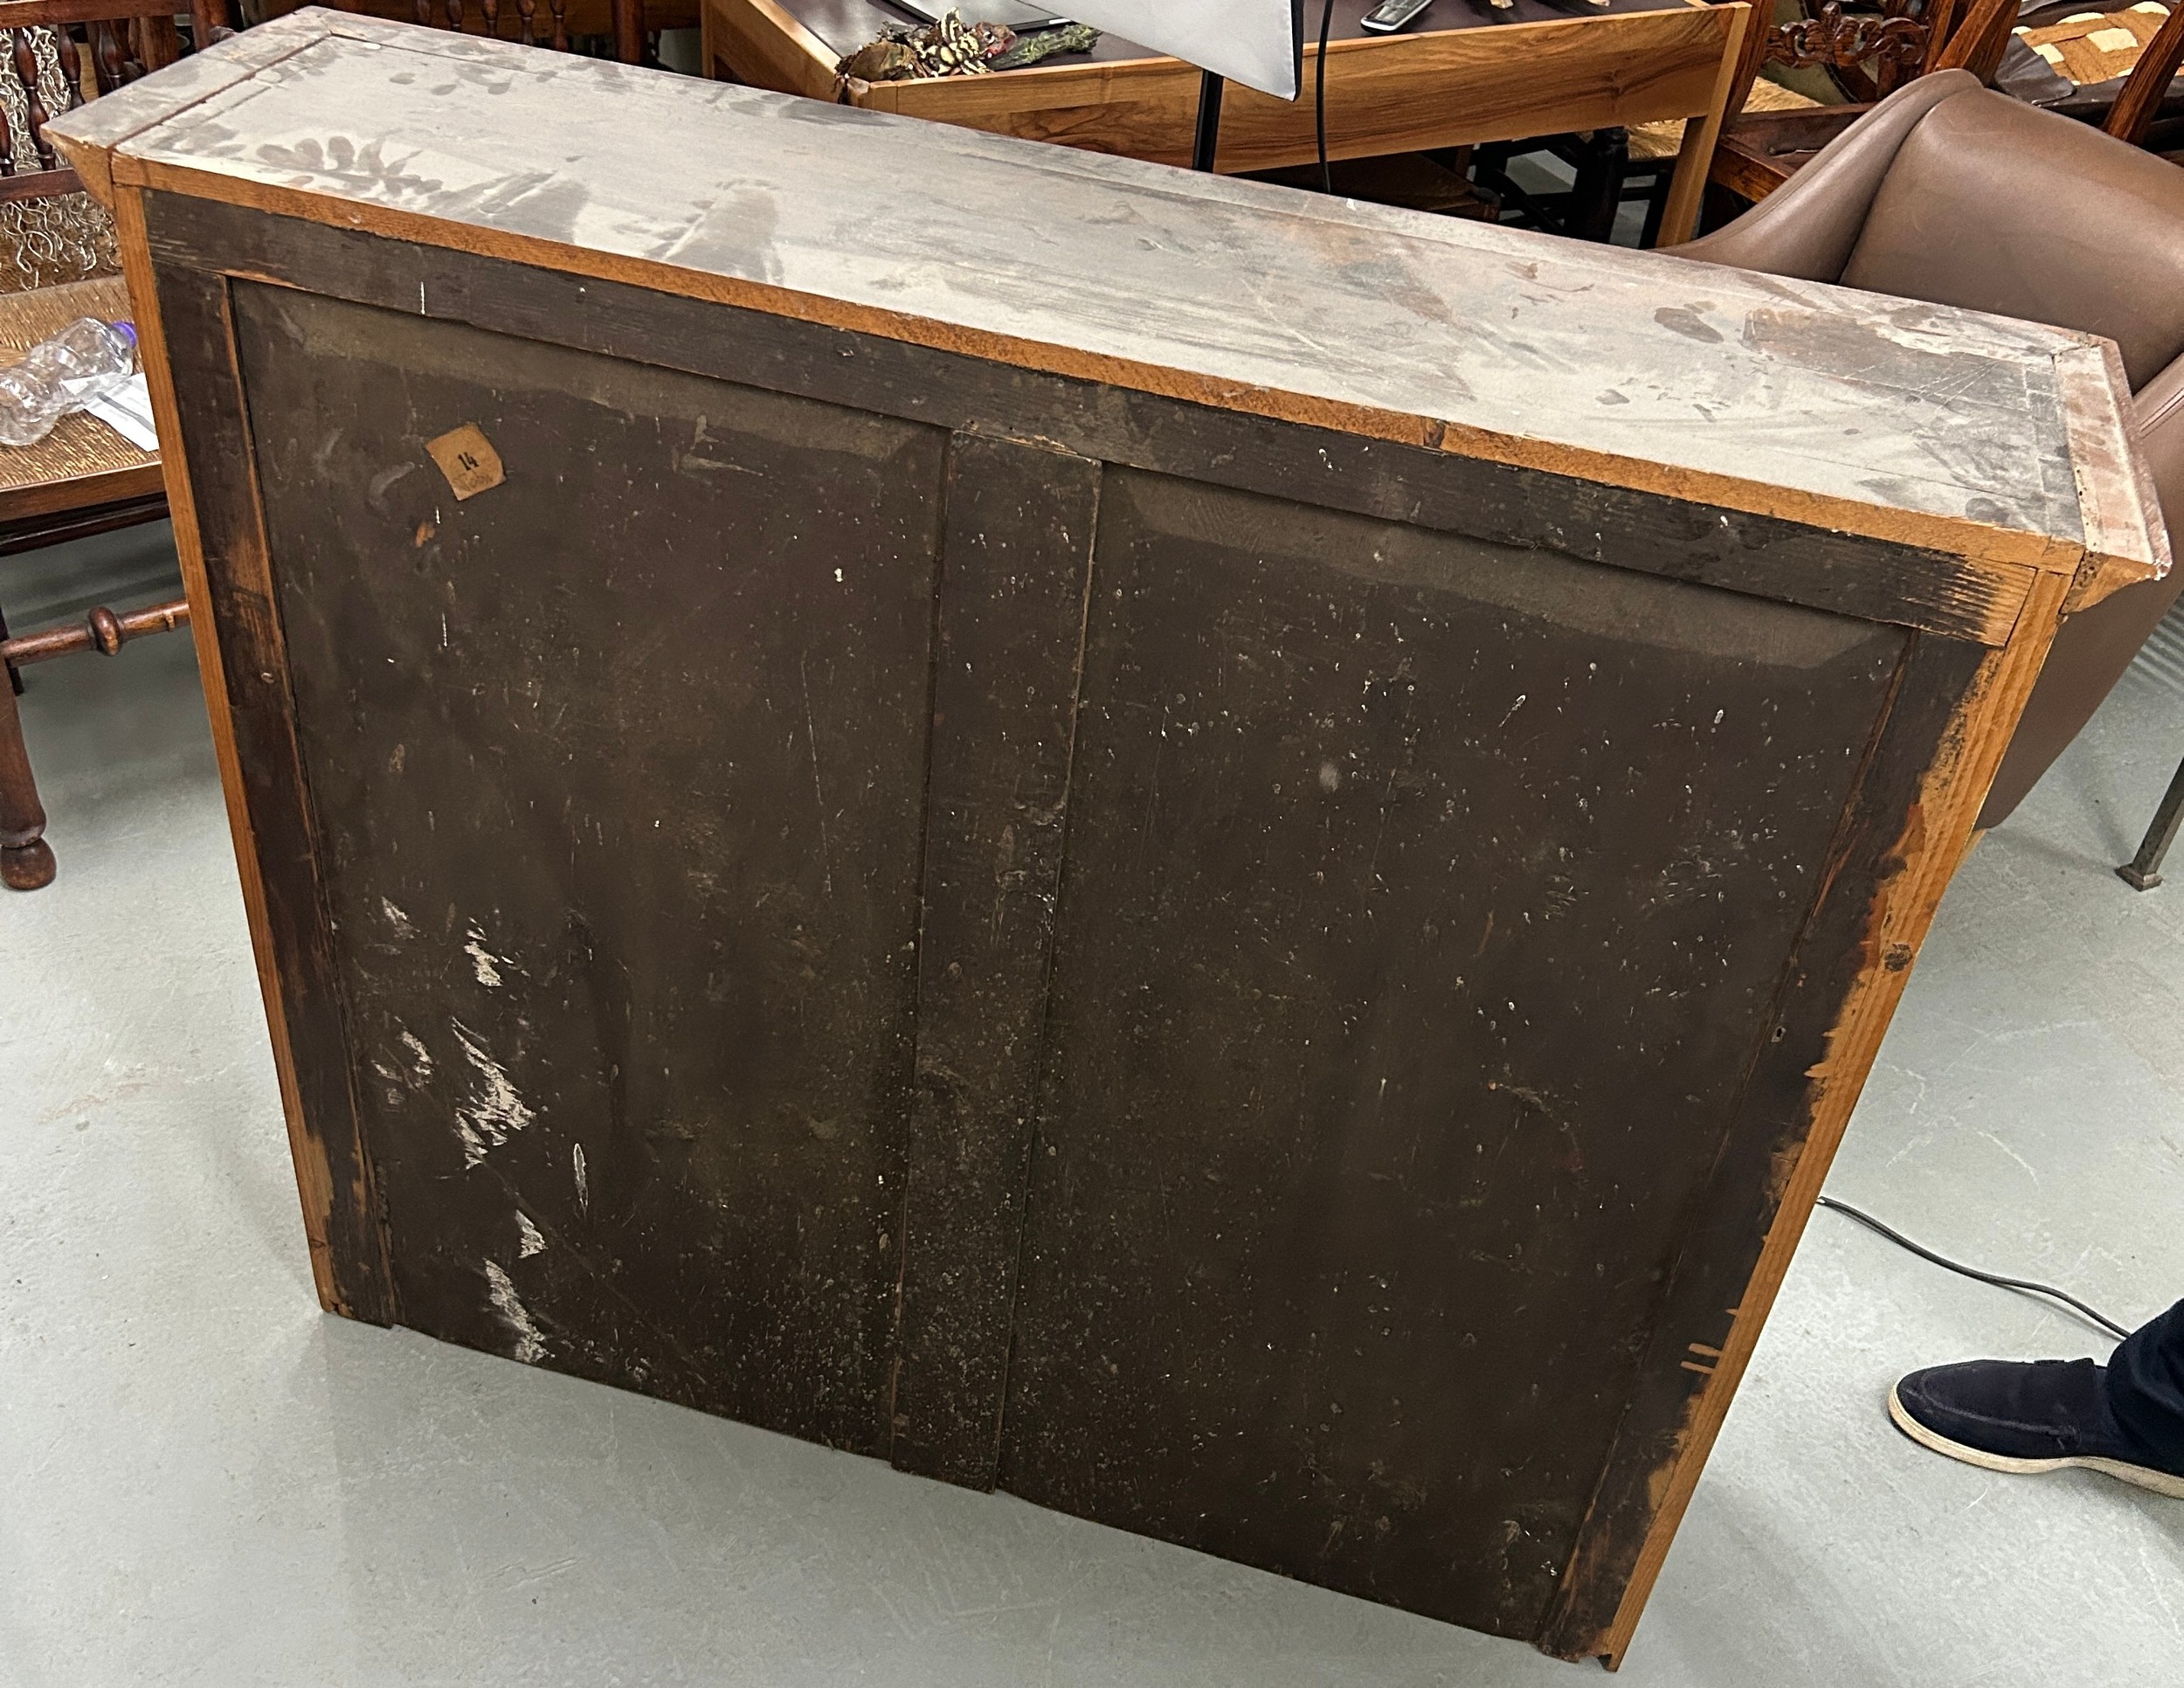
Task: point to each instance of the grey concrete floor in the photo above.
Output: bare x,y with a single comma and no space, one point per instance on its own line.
203,1480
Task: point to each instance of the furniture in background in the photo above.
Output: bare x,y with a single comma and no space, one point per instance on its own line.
631,24
2066,58
1762,145
1462,74
2149,88
2132,118
58,262
1867,51
1045,819
2143,871
1947,193
81,479
1759,150
1861,50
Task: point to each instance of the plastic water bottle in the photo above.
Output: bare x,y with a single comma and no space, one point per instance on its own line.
85,361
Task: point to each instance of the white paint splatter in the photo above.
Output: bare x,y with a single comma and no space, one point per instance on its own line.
420,1057
396,919
485,964
533,1243
530,1341
584,1187
494,1111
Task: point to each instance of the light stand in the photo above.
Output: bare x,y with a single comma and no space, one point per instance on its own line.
1209,129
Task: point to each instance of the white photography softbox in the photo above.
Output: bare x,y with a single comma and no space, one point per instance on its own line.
1258,43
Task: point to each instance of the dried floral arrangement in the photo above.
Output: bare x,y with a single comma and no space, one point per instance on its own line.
949,47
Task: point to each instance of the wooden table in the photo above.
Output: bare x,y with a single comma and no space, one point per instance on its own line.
1238,880
1462,74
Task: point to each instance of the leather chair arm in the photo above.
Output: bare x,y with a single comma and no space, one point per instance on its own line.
1808,227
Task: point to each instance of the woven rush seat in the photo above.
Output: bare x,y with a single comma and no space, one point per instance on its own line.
1655,142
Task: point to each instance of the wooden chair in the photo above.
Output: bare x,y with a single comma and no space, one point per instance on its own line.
1763,145
58,262
2131,117
1868,53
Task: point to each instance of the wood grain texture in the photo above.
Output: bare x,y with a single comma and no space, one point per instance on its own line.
1322,1009
315,1184
1936,834
1766,555
1694,153
622,765
231,596
757,42
2120,508
1743,391
1392,93
1016,562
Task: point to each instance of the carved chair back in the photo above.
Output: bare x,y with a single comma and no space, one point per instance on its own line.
1885,49
54,55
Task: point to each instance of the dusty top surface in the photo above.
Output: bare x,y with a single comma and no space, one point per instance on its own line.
1936,425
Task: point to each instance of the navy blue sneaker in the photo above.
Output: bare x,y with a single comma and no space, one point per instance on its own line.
2025,1416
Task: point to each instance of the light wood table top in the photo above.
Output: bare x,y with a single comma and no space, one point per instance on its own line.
1464,74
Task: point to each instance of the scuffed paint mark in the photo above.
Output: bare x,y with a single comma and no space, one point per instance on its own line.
494,1111
487,965
530,1341
584,1187
396,918
533,1243
420,1057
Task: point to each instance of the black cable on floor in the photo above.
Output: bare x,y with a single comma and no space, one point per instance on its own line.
1319,96
2024,1285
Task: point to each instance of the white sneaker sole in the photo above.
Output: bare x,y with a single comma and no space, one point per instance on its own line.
2141,1476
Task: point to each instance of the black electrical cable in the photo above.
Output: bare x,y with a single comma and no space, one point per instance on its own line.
1319,96
2024,1285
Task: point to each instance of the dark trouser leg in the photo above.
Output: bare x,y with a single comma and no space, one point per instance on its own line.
2146,1386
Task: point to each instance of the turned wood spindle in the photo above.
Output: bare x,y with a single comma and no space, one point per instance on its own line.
105,56
71,63
560,9
525,10
491,9
26,860
454,10
26,72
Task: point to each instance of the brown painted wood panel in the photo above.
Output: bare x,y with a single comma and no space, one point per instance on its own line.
620,763
1016,567
1414,943
1727,1224
341,1200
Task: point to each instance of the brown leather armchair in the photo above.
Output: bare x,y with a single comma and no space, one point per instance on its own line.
1949,192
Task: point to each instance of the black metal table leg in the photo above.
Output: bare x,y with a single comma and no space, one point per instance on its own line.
1208,137
2143,871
